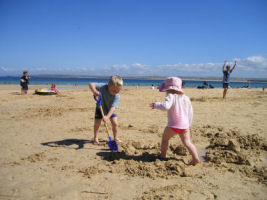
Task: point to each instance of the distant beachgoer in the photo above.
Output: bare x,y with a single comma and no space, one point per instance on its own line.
54,89
204,86
248,84
152,87
24,81
264,87
183,84
226,77
180,115
110,101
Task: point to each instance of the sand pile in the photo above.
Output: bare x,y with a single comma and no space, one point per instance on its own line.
243,153
137,159
227,149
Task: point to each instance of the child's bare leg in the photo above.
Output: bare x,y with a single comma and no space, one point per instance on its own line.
96,127
191,147
224,92
167,134
114,123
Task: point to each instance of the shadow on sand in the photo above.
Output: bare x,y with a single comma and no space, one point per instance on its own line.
69,142
16,93
144,157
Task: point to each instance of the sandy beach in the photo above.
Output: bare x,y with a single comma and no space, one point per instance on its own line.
47,150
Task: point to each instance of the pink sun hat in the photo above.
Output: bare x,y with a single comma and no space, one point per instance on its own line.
171,83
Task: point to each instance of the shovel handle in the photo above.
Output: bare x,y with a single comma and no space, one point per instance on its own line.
102,113
98,104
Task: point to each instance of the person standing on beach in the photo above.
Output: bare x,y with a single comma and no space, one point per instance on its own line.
226,77
180,116
110,101
24,81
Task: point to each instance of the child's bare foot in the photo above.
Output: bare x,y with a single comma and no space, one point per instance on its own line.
194,162
163,158
96,141
118,140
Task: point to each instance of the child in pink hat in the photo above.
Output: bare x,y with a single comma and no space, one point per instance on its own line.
180,115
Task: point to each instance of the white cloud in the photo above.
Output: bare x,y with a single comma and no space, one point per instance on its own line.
42,69
253,66
5,69
255,59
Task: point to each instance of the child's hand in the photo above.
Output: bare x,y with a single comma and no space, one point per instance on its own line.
105,119
152,105
96,93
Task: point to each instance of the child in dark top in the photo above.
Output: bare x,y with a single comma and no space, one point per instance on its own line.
110,100
24,81
226,77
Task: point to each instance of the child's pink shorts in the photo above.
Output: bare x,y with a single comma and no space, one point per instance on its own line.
179,131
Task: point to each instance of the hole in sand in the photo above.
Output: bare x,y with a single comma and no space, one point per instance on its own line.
202,154
264,162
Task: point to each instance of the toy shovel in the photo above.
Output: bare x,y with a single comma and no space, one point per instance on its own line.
112,144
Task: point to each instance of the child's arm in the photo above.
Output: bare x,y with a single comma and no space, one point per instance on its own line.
223,65
233,66
93,89
113,107
110,112
190,113
59,93
166,105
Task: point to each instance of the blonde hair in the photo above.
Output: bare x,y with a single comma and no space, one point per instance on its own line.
115,81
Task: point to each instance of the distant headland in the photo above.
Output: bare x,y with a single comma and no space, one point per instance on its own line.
150,77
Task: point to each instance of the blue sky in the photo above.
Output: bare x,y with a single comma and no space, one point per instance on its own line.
133,37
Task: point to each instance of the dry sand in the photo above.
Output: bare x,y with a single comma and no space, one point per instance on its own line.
47,151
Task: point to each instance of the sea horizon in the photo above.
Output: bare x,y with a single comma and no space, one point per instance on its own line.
195,78
192,82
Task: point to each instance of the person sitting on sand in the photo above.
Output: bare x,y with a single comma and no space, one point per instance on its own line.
110,101
24,81
226,77
54,89
180,115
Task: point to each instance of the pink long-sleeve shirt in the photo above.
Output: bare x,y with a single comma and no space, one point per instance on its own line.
180,111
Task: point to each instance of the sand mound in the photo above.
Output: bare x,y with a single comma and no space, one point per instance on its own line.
91,171
179,150
244,152
138,159
176,191
230,147
35,157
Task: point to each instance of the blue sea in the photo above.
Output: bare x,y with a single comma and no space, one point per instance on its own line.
126,82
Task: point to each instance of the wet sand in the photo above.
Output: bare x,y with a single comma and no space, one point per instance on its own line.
47,150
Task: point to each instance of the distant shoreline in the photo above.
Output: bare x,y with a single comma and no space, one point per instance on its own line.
234,79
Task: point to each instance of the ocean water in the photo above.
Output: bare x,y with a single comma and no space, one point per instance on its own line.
126,82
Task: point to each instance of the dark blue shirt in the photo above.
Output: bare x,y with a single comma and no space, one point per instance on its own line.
226,76
25,80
